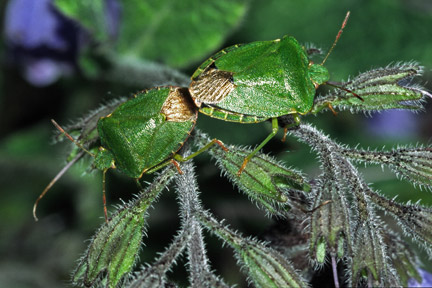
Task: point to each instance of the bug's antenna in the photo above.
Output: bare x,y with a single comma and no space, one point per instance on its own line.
62,171
71,138
54,180
337,37
337,85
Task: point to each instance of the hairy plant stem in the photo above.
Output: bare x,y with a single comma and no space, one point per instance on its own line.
200,274
361,222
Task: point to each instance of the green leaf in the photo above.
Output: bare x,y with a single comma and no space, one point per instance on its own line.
177,31
171,31
114,248
378,89
90,14
265,267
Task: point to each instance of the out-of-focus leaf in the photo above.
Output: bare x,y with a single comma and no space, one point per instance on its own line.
114,248
90,14
402,257
379,89
175,32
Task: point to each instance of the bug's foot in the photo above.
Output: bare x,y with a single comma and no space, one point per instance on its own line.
332,109
240,171
221,145
106,214
285,134
175,163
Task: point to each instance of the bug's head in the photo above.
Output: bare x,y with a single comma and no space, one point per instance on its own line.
318,74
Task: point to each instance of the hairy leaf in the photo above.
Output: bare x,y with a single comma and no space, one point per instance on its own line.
411,163
273,186
402,257
415,220
114,248
155,275
265,267
370,257
378,89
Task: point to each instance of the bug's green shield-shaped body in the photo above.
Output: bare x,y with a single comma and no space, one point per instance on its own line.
265,79
147,130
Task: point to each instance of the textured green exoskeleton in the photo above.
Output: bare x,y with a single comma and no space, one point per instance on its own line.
264,79
254,82
146,131
143,134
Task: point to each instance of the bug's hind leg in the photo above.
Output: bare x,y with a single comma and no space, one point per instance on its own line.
275,128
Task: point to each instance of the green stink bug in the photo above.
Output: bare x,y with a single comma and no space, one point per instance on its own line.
262,80
143,135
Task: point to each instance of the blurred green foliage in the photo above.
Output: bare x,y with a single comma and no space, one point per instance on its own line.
181,34
174,32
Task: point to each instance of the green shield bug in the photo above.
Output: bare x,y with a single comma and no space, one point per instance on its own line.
142,135
262,80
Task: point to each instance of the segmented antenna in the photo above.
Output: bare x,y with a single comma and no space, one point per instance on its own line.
328,53
62,171
70,137
337,37
54,180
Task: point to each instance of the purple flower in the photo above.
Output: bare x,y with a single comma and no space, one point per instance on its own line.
113,12
393,124
44,43
40,40
426,279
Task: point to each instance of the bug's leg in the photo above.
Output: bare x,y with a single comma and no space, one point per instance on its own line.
166,163
162,165
319,206
296,122
176,165
285,133
104,195
180,158
140,187
332,109
275,128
